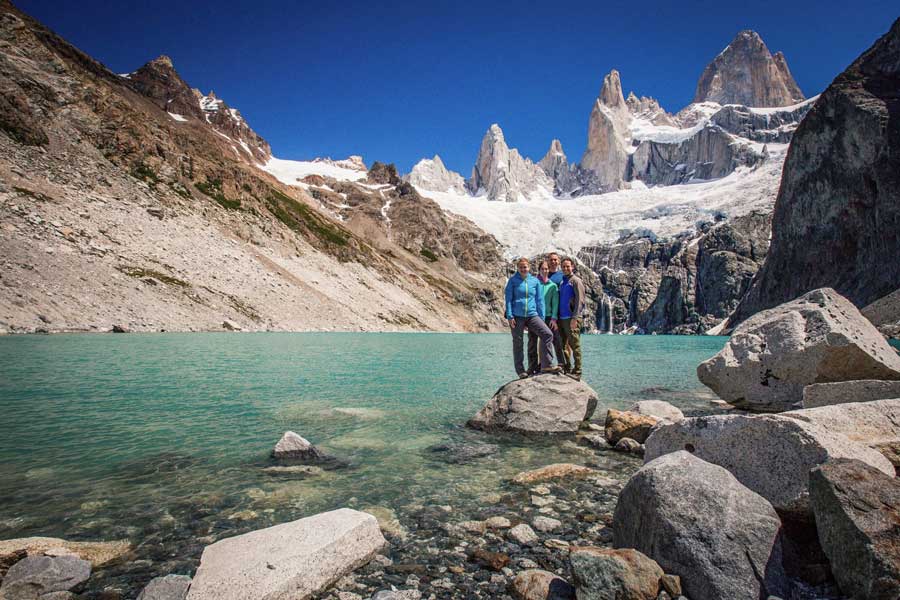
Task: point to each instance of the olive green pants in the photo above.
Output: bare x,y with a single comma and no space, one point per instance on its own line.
570,336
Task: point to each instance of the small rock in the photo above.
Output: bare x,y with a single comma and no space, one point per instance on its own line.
119,329
546,524
497,523
657,408
493,560
156,211
292,446
228,325
671,584
293,470
523,534
36,575
630,446
620,424
551,472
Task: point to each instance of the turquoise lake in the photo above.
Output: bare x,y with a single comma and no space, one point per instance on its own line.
162,438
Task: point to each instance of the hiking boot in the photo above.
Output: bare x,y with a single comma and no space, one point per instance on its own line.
575,376
523,375
553,370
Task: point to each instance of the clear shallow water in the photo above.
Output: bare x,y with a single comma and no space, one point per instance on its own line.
162,438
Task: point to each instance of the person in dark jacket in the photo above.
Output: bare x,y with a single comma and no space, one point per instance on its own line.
525,310
556,276
571,305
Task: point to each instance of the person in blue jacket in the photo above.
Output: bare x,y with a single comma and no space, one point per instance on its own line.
525,310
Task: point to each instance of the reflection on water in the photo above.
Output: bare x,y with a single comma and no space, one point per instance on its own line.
164,439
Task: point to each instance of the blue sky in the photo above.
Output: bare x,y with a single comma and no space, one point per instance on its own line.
397,81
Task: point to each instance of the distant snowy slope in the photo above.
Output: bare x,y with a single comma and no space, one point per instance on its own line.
569,225
291,171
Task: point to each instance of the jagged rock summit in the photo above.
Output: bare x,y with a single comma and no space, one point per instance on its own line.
745,72
606,156
543,404
503,174
556,166
431,174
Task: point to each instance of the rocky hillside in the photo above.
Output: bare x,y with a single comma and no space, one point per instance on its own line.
837,216
135,202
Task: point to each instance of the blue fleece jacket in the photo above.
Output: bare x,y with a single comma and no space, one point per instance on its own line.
524,297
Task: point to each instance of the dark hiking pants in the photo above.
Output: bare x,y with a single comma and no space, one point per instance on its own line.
534,342
535,326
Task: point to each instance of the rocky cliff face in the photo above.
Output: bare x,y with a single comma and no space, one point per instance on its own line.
556,166
745,72
431,174
502,174
114,212
687,284
837,216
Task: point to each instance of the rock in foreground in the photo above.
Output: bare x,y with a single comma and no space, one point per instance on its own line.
293,560
536,584
623,424
857,512
34,576
770,454
541,404
607,574
98,553
698,522
170,587
817,338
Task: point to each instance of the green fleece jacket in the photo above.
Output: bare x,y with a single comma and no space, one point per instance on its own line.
551,300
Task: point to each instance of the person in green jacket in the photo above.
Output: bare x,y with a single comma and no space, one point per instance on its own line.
550,292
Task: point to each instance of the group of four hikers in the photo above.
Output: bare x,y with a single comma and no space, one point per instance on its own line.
549,307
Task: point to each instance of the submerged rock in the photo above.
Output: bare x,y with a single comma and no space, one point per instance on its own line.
607,574
620,424
857,512
463,452
770,454
295,559
698,522
98,553
817,338
843,392
170,587
34,576
540,404
551,472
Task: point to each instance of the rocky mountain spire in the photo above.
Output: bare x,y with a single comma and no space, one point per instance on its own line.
159,81
556,166
431,174
503,174
606,156
745,72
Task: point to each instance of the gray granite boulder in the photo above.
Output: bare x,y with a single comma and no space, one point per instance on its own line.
551,404
170,587
770,454
35,576
657,408
292,560
843,392
698,522
607,574
817,338
857,511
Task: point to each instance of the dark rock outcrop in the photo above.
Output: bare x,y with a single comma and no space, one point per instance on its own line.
837,216
771,126
857,510
382,173
745,72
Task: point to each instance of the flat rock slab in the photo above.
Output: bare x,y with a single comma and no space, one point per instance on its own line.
698,522
34,576
289,561
551,472
770,454
857,511
98,553
544,404
843,392
817,338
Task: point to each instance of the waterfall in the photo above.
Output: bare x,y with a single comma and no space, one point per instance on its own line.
606,303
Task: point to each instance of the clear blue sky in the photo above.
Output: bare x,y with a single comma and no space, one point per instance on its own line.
397,81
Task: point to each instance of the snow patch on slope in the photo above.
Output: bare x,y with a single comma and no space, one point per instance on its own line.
290,171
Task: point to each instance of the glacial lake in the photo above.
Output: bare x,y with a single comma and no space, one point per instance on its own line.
162,438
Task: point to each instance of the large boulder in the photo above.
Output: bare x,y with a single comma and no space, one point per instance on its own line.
541,404
871,423
857,512
607,574
622,424
34,576
817,338
698,522
843,392
770,454
292,560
